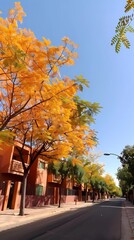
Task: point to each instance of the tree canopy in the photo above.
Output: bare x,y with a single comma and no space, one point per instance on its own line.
127,159
29,67
38,106
125,174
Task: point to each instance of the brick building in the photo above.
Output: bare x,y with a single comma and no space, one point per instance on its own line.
42,187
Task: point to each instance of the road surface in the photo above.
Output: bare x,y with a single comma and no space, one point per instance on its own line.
98,222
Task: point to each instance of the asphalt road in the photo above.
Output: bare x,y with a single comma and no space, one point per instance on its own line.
97,222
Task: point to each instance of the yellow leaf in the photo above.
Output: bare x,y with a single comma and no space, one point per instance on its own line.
46,41
55,69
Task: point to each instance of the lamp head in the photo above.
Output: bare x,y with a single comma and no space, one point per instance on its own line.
107,154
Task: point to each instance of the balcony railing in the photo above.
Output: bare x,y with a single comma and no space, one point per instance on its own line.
17,167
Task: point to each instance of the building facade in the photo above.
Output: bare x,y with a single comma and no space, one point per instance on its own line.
42,187
11,173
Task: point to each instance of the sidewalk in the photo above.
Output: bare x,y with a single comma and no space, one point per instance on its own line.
128,221
10,218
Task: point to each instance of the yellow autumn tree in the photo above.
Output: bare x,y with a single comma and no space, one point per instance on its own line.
37,105
28,67
49,131
110,184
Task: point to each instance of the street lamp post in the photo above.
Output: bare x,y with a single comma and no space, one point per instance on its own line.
108,154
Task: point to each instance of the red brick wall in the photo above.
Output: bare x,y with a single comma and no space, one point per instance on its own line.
38,201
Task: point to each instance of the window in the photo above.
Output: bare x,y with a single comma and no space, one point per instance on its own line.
39,190
71,192
42,165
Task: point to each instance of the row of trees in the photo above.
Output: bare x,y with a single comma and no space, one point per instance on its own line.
86,172
125,174
38,106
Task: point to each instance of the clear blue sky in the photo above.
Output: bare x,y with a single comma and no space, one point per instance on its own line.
91,24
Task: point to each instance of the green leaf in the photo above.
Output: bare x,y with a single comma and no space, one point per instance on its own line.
118,46
130,29
81,80
80,87
129,5
114,39
125,41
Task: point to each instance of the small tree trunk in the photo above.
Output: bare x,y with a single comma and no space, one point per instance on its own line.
93,197
23,194
86,194
98,194
60,196
60,188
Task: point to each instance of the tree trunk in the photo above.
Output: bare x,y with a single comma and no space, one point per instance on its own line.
60,188
93,197
98,194
86,194
23,194
60,195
